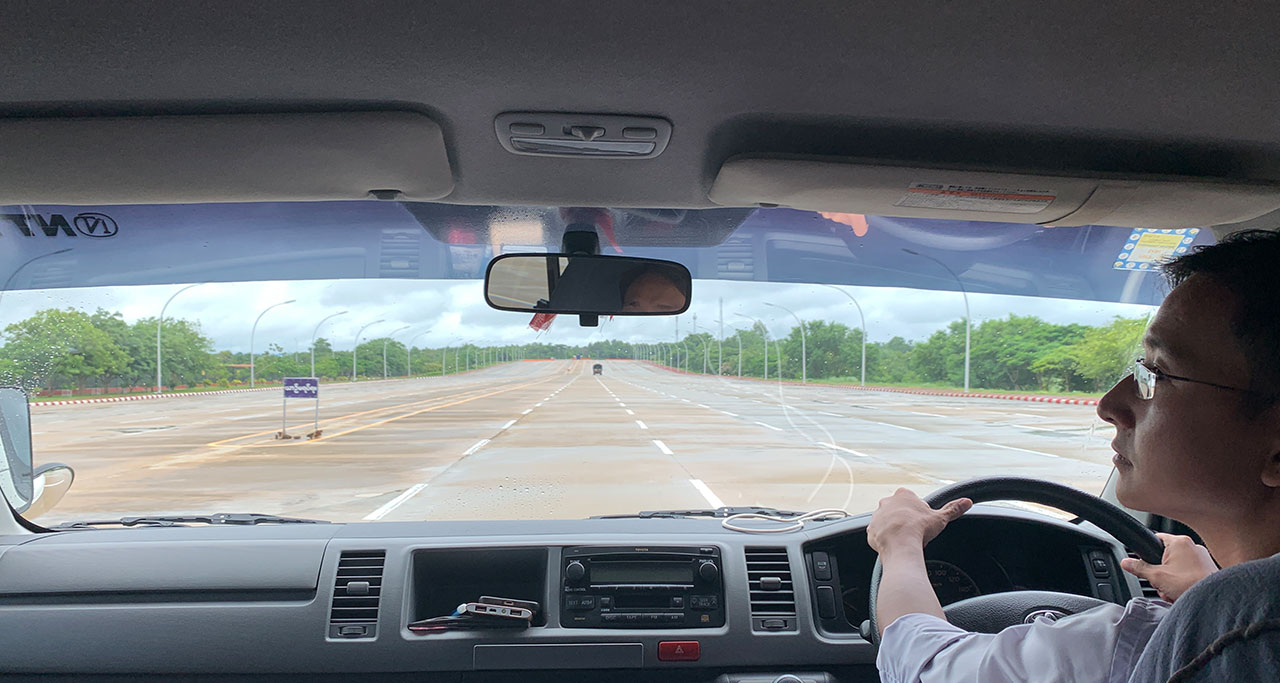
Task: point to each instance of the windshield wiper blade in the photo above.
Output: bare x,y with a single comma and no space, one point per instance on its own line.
718,513
227,518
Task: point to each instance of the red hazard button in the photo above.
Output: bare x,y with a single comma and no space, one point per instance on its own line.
679,651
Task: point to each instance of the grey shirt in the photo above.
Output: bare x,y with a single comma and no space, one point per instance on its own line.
1226,628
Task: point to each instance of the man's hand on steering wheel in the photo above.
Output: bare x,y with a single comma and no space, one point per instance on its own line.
899,530
903,524
904,520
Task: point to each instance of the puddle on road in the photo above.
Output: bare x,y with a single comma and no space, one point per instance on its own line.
143,430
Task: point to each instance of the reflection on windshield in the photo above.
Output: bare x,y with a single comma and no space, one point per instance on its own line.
168,398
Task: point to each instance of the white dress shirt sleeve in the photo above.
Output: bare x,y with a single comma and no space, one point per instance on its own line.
1102,644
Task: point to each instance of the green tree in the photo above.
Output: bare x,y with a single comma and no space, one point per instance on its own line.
940,358
1104,353
1004,350
61,349
187,353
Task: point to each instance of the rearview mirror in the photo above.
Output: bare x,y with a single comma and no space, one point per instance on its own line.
589,285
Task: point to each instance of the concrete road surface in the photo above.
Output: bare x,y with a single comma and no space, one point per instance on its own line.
547,439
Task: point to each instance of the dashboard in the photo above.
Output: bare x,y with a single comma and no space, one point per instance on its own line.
974,556
644,599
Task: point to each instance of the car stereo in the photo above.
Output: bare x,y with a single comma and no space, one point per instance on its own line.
641,587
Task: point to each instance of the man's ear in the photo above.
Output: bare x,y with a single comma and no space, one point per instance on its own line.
1271,470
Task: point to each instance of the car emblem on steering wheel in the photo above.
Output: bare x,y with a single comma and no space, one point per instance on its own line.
1050,614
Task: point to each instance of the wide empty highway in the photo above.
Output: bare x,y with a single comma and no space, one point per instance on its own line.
547,439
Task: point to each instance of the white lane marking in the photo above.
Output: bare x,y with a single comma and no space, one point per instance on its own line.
909,429
706,492
1026,415
729,413
762,424
947,481
843,449
686,400
246,417
507,425
538,405
622,404
642,425
823,412
478,445
527,411
631,412
925,414
1024,450
703,405
662,447
394,503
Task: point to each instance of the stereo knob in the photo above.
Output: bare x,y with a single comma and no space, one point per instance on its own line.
708,571
574,572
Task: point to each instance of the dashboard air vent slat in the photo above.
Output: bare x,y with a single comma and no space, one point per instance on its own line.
357,593
769,582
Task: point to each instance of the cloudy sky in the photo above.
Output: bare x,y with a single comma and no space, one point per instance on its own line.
446,312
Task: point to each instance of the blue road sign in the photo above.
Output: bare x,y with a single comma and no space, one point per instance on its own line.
301,387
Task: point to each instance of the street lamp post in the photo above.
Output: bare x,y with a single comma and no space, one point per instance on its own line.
355,347
253,331
384,348
968,322
804,354
159,324
409,350
864,331
766,342
738,336
313,340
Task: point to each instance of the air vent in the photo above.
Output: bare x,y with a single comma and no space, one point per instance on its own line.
356,594
1148,591
769,580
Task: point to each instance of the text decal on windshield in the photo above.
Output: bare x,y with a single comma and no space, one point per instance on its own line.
89,224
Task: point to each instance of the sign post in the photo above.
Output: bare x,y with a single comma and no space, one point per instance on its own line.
299,387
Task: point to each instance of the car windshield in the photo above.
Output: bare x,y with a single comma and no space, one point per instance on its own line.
826,359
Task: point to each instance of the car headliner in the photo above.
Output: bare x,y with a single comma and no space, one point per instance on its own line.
1131,88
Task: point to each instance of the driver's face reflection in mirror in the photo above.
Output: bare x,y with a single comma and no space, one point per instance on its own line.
652,292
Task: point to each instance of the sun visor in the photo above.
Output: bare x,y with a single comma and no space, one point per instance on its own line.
223,158
900,191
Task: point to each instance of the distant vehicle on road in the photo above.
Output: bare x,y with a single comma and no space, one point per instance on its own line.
597,369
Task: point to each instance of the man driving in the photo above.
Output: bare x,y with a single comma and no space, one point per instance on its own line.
1197,440
653,289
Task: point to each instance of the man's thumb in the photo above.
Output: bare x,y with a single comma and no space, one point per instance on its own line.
952,511
1138,568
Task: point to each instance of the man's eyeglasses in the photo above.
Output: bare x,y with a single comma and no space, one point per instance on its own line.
1145,377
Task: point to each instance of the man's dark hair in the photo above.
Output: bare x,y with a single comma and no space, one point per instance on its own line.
1247,263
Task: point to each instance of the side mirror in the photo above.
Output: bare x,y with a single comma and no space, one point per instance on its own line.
32,492
588,285
16,475
50,483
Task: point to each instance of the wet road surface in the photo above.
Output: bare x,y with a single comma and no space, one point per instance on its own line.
547,439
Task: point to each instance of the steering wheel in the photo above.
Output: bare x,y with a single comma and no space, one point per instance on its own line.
991,613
